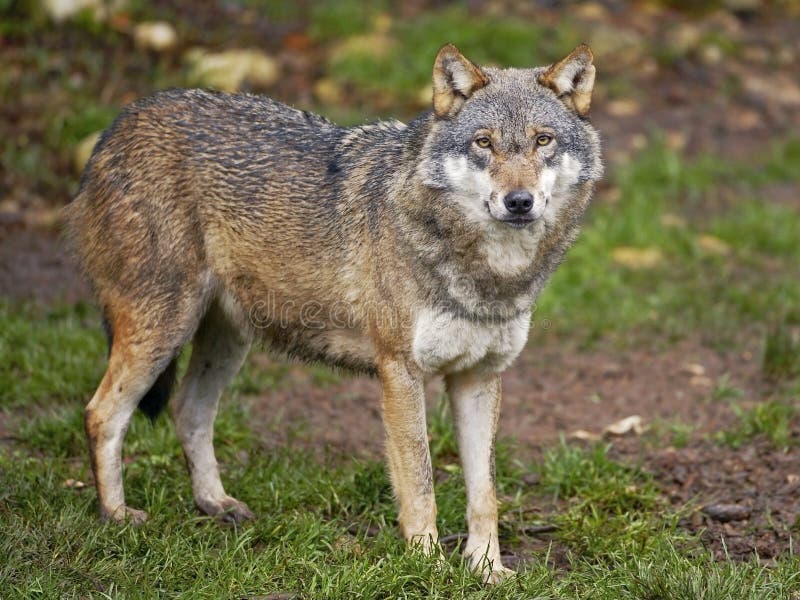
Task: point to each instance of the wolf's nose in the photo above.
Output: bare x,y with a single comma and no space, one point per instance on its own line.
518,202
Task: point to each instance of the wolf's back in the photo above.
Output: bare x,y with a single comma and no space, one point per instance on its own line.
175,163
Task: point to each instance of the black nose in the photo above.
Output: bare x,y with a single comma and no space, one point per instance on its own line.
518,202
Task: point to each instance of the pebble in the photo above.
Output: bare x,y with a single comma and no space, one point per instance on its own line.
727,512
158,36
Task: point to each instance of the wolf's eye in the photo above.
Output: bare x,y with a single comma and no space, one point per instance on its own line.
483,142
543,139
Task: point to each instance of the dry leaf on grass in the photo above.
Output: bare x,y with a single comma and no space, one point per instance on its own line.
637,258
633,424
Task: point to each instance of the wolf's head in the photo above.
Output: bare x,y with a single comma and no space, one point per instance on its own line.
508,146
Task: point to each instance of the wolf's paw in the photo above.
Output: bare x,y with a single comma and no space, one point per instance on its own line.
427,543
496,576
227,510
123,514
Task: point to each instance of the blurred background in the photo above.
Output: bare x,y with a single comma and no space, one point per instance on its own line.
679,305
719,75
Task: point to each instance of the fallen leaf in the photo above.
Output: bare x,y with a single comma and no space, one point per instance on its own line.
693,369
74,484
637,258
713,245
623,108
582,434
228,70
700,381
633,424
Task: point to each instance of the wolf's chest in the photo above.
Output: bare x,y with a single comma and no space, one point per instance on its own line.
445,343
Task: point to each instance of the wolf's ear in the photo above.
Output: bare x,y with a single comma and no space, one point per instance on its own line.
454,80
572,79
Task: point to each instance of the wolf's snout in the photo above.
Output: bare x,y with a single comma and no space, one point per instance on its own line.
518,202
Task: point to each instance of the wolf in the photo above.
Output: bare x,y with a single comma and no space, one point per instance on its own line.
405,251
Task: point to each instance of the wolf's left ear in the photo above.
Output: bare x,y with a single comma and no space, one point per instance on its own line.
572,79
454,80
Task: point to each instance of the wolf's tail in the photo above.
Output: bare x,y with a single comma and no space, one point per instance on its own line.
155,399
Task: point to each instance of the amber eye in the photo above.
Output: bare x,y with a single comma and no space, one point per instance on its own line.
483,142
543,139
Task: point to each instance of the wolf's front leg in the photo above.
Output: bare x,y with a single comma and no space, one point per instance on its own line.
407,452
475,402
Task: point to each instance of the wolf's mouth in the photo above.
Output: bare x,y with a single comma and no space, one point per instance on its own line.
518,223
514,222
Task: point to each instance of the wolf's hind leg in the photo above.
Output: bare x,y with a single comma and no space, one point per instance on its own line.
218,352
132,370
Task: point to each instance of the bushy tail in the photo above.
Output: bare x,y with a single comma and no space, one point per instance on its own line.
155,399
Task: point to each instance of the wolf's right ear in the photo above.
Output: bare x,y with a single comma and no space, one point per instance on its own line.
454,80
572,79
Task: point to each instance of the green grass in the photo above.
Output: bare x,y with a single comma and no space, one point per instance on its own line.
399,63
781,360
771,419
325,528
49,355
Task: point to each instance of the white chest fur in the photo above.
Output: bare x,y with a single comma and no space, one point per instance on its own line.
444,343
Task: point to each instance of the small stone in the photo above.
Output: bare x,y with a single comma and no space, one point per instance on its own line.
725,513
158,36
711,54
778,88
60,11
684,38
